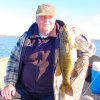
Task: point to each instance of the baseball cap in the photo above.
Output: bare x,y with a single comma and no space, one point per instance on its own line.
45,9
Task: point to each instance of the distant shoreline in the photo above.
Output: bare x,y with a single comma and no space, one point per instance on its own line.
19,36
9,35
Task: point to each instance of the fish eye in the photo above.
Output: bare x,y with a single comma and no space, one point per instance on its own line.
64,41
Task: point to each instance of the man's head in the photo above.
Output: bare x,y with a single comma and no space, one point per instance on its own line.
45,18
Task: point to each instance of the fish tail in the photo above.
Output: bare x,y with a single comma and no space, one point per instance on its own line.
67,89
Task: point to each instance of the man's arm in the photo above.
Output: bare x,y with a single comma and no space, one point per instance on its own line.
85,46
13,63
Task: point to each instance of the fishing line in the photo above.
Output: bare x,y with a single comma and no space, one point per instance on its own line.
90,84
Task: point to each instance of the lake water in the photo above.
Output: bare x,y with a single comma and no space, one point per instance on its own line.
7,44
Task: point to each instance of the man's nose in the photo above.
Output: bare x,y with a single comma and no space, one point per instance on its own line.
47,19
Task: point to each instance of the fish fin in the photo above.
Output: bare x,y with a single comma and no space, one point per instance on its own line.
67,89
74,46
58,70
74,73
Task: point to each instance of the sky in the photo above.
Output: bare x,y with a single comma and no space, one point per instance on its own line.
16,16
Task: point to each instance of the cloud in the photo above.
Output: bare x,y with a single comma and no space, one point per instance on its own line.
92,27
13,23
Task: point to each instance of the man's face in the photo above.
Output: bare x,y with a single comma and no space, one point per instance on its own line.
45,23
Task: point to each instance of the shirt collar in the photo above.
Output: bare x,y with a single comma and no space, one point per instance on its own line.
43,36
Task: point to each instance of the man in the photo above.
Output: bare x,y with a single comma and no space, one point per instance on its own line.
31,67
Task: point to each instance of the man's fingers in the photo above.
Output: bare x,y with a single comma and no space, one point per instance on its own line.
2,93
13,92
9,96
6,94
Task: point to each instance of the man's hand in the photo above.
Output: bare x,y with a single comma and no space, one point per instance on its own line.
81,63
8,92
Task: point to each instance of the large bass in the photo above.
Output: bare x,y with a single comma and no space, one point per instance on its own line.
67,58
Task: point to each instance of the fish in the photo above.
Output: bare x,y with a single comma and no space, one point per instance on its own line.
66,60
